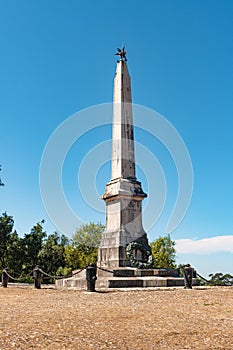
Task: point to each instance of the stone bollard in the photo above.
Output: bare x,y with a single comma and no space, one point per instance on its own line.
188,276
37,277
91,277
5,278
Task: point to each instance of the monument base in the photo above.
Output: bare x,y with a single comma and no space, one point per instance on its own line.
112,250
113,257
126,278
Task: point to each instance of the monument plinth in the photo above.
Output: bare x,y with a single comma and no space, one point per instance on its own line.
123,195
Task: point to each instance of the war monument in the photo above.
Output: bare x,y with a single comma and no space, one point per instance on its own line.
124,255
123,195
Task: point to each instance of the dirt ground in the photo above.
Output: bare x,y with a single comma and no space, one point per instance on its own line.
172,318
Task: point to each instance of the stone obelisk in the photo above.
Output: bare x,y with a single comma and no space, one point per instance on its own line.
123,195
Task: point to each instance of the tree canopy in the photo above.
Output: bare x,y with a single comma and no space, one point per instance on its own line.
54,253
220,279
6,231
88,235
164,253
83,249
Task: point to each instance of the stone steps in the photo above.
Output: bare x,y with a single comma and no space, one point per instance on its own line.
125,277
139,282
121,282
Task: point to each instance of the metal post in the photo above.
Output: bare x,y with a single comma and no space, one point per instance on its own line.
188,276
91,277
5,278
37,277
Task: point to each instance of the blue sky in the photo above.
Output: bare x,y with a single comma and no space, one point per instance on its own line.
57,58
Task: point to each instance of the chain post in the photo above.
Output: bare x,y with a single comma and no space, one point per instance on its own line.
5,278
91,277
37,277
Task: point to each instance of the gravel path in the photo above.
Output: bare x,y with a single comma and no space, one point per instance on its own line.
172,318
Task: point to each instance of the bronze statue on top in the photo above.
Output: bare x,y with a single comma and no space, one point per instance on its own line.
122,53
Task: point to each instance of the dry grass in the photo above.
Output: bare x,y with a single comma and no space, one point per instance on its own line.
134,319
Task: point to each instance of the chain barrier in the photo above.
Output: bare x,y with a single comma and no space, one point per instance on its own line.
84,268
101,268
45,275
58,277
11,277
17,279
204,279
38,275
201,277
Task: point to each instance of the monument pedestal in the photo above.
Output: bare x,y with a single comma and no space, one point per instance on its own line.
123,198
125,278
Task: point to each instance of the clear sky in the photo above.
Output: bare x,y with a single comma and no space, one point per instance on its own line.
57,58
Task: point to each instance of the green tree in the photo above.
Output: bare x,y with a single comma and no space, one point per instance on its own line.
83,249
220,279
15,258
6,227
88,235
80,256
52,254
31,245
164,253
